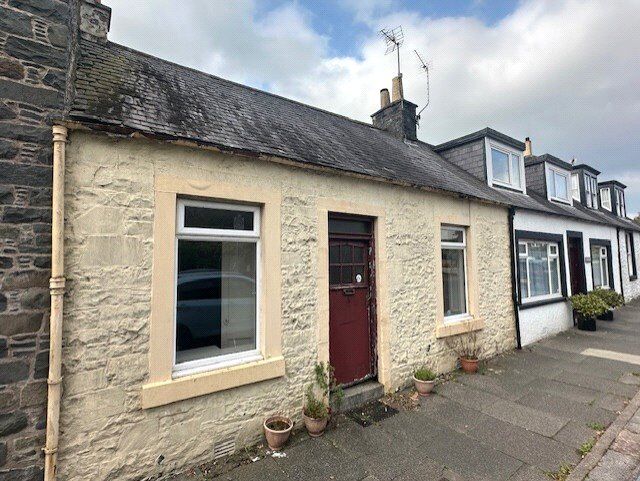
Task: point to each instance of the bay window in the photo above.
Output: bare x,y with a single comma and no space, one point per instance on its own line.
216,284
539,270
600,266
454,272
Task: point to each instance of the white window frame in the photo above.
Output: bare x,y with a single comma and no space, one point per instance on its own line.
621,209
217,235
605,205
458,246
604,265
529,299
575,187
591,190
562,173
491,144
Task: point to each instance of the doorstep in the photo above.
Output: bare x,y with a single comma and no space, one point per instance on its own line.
356,396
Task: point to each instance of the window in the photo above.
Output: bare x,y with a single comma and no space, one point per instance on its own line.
605,198
454,275
216,284
631,256
620,207
558,185
575,187
600,266
591,190
539,270
506,167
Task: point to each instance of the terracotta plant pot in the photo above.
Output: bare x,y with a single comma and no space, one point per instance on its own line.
424,388
276,436
315,427
469,365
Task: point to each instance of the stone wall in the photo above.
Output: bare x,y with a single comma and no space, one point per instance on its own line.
110,210
33,59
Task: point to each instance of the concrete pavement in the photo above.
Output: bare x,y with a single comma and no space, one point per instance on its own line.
525,418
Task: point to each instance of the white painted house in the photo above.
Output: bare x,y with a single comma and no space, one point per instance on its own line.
565,240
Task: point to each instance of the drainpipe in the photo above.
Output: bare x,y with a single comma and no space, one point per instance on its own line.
514,281
620,262
56,285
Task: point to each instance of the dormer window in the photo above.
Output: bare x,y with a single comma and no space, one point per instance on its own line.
621,209
591,190
506,166
605,198
558,185
575,187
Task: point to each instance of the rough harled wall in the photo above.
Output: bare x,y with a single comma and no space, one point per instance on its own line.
631,287
33,57
110,201
470,157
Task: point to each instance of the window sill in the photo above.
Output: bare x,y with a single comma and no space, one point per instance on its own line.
166,392
544,302
459,327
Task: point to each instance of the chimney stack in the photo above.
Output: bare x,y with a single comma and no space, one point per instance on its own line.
396,88
397,116
384,98
95,20
527,147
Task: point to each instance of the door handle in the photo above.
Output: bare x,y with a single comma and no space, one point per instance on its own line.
348,291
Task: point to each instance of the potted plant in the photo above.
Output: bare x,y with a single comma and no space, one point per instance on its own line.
612,299
586,308
277,430
320,396
468,351
424,380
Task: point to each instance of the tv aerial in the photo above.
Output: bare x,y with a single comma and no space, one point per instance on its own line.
424,66
393,37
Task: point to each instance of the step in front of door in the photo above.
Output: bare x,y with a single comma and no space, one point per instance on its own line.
360,394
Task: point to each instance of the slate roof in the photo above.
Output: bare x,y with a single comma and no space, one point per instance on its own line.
480,134
130,91
552,159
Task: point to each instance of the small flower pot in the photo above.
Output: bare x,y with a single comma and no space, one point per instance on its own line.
315,427
469,365
607,316
586,323
276,432
424,388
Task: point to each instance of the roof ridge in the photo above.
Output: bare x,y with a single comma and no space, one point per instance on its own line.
238,84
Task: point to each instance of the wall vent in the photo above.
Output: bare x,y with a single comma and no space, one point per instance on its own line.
224,449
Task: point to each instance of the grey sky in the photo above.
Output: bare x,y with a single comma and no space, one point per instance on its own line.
566,73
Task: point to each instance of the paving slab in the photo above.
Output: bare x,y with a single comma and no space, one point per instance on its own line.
514,413
567,391
574,434
566,408
529,473
613,467
606,386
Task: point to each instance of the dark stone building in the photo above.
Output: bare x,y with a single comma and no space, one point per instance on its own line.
34,61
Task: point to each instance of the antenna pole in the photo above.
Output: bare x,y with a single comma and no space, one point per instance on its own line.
398,60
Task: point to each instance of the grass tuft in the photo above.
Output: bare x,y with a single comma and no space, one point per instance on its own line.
596,426
587,447
561,474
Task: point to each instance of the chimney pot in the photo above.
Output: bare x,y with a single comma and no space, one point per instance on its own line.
396,88
527,147
384,98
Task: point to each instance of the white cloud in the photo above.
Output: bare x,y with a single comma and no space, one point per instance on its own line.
563,72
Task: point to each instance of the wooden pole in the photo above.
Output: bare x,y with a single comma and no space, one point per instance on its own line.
56,285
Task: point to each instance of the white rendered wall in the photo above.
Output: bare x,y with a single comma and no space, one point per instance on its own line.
543,321
631,288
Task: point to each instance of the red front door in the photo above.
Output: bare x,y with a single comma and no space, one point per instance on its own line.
350,295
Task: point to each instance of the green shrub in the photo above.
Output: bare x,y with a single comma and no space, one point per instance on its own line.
425,374
313,407
610,297
588,305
